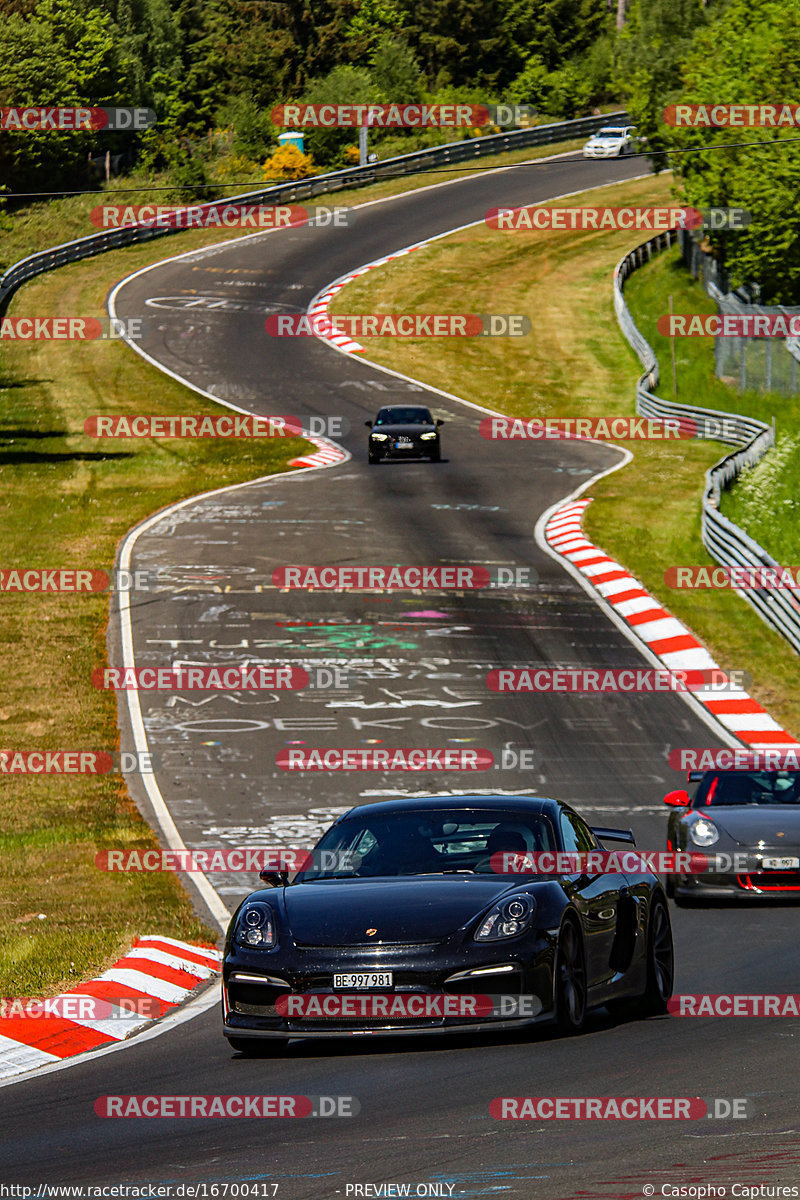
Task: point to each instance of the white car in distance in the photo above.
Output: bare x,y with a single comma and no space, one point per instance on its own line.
612,141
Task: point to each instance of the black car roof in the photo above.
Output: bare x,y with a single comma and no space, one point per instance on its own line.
533,805
413,407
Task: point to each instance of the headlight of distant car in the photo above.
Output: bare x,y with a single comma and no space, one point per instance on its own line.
255,927
426,437
506,919
379,437
703,832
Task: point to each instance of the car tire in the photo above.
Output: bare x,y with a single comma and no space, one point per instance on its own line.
257,1047
374,459
436,456
571,994
660,968
660,959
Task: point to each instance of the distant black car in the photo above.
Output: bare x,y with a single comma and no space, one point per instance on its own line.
404,431
751,818
420,910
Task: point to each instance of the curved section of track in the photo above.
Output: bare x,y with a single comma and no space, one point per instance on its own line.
419,668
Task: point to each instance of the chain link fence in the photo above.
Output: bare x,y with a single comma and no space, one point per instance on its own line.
763,364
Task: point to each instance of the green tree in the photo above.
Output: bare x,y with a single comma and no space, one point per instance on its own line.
63,54
343,85
394,71
749,55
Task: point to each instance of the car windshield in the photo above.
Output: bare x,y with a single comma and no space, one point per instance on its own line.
611,133
404,416
436,842
748,787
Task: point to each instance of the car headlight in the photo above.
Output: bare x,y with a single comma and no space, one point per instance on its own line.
426,437
506,919
255,927
703,832
379,437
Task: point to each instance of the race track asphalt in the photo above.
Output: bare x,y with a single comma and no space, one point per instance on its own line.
418,668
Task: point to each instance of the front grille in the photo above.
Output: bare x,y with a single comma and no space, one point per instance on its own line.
376,947
254,999
503,983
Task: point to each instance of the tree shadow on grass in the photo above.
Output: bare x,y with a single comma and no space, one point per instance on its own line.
12,457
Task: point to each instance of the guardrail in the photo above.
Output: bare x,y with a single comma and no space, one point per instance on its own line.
281,193
726,542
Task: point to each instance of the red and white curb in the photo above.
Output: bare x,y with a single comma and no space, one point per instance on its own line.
320,304
662,633
326,455
157,969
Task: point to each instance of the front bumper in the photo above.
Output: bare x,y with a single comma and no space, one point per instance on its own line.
417,449
602,152
750,883
250,989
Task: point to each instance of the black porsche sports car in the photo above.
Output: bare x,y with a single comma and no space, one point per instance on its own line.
747,823
416,908
404,431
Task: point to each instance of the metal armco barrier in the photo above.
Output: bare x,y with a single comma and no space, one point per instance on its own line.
282,193
729,545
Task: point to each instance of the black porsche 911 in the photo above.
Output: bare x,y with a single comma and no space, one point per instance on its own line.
415,908
404,431
747,823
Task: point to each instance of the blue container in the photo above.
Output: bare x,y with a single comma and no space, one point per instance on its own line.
292,138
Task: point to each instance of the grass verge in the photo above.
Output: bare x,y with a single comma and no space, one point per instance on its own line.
67,501
764,500
576,363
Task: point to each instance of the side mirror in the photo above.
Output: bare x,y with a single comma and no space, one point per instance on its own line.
274,878
440,422
368,424
677,799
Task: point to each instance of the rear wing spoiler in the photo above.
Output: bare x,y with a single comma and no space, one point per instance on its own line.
613,835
